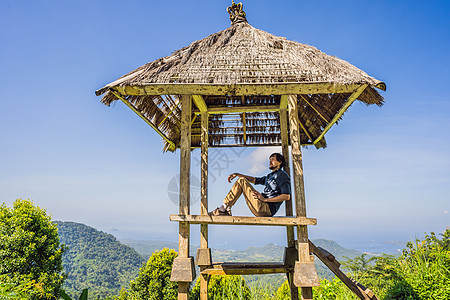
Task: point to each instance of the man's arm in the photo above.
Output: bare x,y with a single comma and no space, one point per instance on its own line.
249,178
279,198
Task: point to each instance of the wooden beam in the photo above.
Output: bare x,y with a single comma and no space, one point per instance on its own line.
305,130
335,269
235,220
347,104
247,145
240,109
200,102
171,111
246,268
283,102
192,122
127,103
317,109
206,89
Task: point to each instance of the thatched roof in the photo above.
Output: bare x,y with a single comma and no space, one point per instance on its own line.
226,67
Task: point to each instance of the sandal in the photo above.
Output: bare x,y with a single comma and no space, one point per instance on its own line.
218,212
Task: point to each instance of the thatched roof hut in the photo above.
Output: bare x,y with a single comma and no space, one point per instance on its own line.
242,66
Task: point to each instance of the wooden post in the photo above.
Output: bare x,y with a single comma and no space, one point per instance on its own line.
288,204
304,272
204,178
287,168
185,174
204,206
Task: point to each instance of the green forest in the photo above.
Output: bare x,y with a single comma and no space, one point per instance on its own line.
96,260
45,259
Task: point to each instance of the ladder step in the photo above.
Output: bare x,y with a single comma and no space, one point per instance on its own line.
246,268
232,220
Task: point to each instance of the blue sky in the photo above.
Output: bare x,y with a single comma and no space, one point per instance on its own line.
384,176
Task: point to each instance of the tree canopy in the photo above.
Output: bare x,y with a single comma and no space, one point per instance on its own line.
30,250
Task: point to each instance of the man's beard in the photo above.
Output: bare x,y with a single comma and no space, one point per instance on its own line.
272,167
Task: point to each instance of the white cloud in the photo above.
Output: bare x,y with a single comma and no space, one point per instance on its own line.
259,159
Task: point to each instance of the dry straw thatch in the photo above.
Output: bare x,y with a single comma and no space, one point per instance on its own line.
242,54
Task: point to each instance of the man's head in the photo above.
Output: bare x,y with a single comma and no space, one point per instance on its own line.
276,161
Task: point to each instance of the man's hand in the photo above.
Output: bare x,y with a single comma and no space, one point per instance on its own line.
257,195
232,176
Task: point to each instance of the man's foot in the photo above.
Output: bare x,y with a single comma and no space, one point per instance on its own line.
218,212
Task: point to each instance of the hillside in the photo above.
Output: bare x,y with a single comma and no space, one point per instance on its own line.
96,260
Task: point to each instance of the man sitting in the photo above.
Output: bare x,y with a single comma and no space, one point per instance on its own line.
277,189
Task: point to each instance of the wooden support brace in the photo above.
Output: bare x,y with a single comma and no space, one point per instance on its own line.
317,109
183,269
335,269
203,257
330,257
347,104
305,274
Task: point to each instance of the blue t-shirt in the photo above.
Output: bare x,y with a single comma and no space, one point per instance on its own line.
276,183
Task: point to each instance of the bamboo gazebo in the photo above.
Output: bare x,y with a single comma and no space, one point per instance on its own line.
243,87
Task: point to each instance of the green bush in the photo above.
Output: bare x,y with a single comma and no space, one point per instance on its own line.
153,281
223,288
425,267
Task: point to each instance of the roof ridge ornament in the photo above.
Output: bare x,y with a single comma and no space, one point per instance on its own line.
237,15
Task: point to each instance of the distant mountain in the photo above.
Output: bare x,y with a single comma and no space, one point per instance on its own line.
146,248
96,260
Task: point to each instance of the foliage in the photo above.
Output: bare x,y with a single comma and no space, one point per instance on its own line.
223,287
83,295
421,272
96,260
153,281
283,292
333,289
328,290
30,251
10,291
424,268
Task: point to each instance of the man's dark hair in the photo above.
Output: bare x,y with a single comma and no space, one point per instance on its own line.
279,158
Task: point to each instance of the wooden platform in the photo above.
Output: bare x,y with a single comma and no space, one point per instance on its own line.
232,220
246,268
